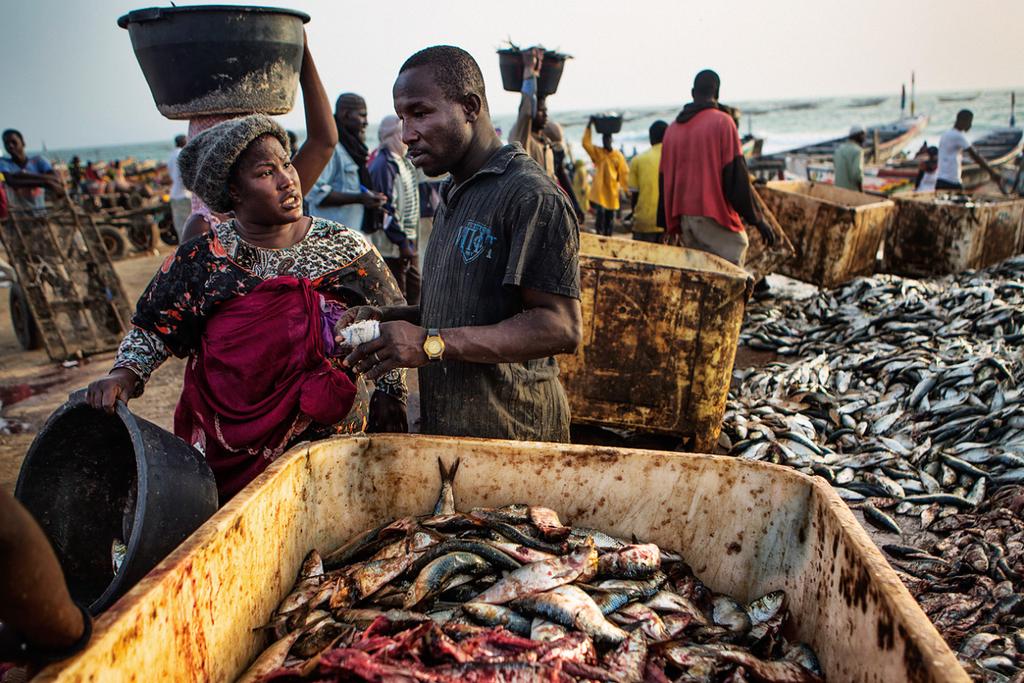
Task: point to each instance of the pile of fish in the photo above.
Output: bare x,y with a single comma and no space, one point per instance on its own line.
898,389
965,200
904,394
968,579
512,594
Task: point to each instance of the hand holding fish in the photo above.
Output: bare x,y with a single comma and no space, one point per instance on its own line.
358,314
400,345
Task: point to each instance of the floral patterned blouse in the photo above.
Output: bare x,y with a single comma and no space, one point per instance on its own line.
219,265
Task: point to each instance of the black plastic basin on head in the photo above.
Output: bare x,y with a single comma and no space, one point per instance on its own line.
218,59
510,62
608,124
90,478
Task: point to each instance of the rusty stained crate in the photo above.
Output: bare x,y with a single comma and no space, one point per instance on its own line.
660,328
931,238
762,259
836,232
69,281
745,528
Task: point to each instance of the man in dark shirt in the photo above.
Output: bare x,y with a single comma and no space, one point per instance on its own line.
501,285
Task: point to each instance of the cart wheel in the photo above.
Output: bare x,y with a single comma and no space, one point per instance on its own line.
113,240
167,232
140,234
25,328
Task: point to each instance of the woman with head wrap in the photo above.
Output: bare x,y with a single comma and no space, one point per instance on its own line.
252,304
394,176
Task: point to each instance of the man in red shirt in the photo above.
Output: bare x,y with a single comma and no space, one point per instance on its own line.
704,179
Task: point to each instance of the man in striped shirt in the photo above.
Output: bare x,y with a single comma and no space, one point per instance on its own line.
501,281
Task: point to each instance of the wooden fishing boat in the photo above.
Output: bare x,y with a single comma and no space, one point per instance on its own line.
866,102
959,98
891,138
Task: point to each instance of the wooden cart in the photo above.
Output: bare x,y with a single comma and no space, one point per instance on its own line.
75,303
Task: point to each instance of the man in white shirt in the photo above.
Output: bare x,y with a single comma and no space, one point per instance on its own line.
181,199
952,145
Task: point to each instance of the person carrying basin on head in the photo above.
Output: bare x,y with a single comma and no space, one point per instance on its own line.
501,281
705,182
252,304
848,160
611,177
542,138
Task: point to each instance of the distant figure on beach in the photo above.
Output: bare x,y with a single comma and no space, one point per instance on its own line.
581,185
181,198
394,176
611,176
118,180
848,160
343,191
952,145
706,184
94,182
643,187
26,177
564,162
75,174
927,170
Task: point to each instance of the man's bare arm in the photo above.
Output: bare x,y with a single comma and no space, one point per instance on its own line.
550,324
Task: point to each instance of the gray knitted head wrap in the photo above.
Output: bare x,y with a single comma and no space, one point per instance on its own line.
205,162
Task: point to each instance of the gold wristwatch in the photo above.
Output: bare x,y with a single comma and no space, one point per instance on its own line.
433,345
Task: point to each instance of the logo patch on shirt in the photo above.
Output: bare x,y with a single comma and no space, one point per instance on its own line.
473,240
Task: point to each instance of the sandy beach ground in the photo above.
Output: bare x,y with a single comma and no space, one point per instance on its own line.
32,386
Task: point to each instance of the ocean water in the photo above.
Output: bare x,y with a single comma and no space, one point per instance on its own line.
781,128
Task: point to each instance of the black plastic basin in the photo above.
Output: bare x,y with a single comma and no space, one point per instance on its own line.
218,59
510,62
608,124
90,478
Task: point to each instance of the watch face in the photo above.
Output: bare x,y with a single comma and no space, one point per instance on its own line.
432,347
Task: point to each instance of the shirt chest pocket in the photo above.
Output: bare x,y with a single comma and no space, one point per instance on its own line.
350,172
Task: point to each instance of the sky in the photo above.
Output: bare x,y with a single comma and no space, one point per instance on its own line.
71,80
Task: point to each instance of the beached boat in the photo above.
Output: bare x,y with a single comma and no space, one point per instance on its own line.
959,98
891,138
866,102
